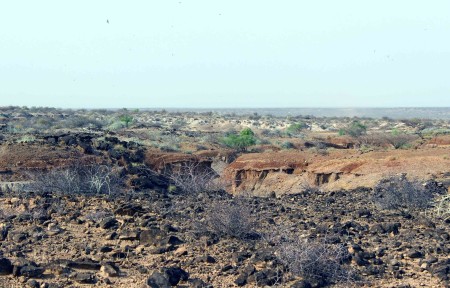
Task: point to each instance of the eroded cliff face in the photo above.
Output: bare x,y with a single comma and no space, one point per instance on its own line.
291,171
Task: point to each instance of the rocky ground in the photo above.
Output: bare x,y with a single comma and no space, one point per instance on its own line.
292,210
131,240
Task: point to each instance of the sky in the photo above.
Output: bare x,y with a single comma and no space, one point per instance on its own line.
212,54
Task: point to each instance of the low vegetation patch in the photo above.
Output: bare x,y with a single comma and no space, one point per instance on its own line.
315,260
401,193
77,179
241,141
230,219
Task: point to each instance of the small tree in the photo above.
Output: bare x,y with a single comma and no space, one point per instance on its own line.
247,132
126,119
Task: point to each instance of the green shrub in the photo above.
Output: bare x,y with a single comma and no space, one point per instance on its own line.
399,139
126,119
247,132
296,128
287,145
354,129
242,141
116,125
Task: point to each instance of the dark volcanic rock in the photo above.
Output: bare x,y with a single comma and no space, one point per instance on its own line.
31,271
198,283
85,278
69,140
5,266
175,275
33,283
130,210
415,254
108,223
266,277
104,145
153,236
86,264
301,284
241,280
129,235
158,280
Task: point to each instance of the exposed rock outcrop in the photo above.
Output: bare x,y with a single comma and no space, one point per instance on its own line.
290,171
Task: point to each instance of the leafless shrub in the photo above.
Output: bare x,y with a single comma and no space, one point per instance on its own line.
77,179
374,139
399,192
442,207
230,219
315,260
82,121
399,140
101,179
193,177
396,140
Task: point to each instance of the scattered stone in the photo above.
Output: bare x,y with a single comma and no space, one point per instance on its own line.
31,271
53,229
241,280
153,236
129,210
105,249
301,284
181,251
415,254
175,275
108,223
84,278
129,235
109,270
85,264
5,266
158,280
33,283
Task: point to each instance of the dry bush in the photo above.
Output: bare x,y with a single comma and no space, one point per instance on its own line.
315,260
193,178
230,219
397,140
77,179
399,192
400,140
442,207
375,139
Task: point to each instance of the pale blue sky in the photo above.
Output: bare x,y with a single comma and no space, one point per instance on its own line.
225,53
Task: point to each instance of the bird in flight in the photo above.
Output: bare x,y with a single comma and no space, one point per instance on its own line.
107,21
